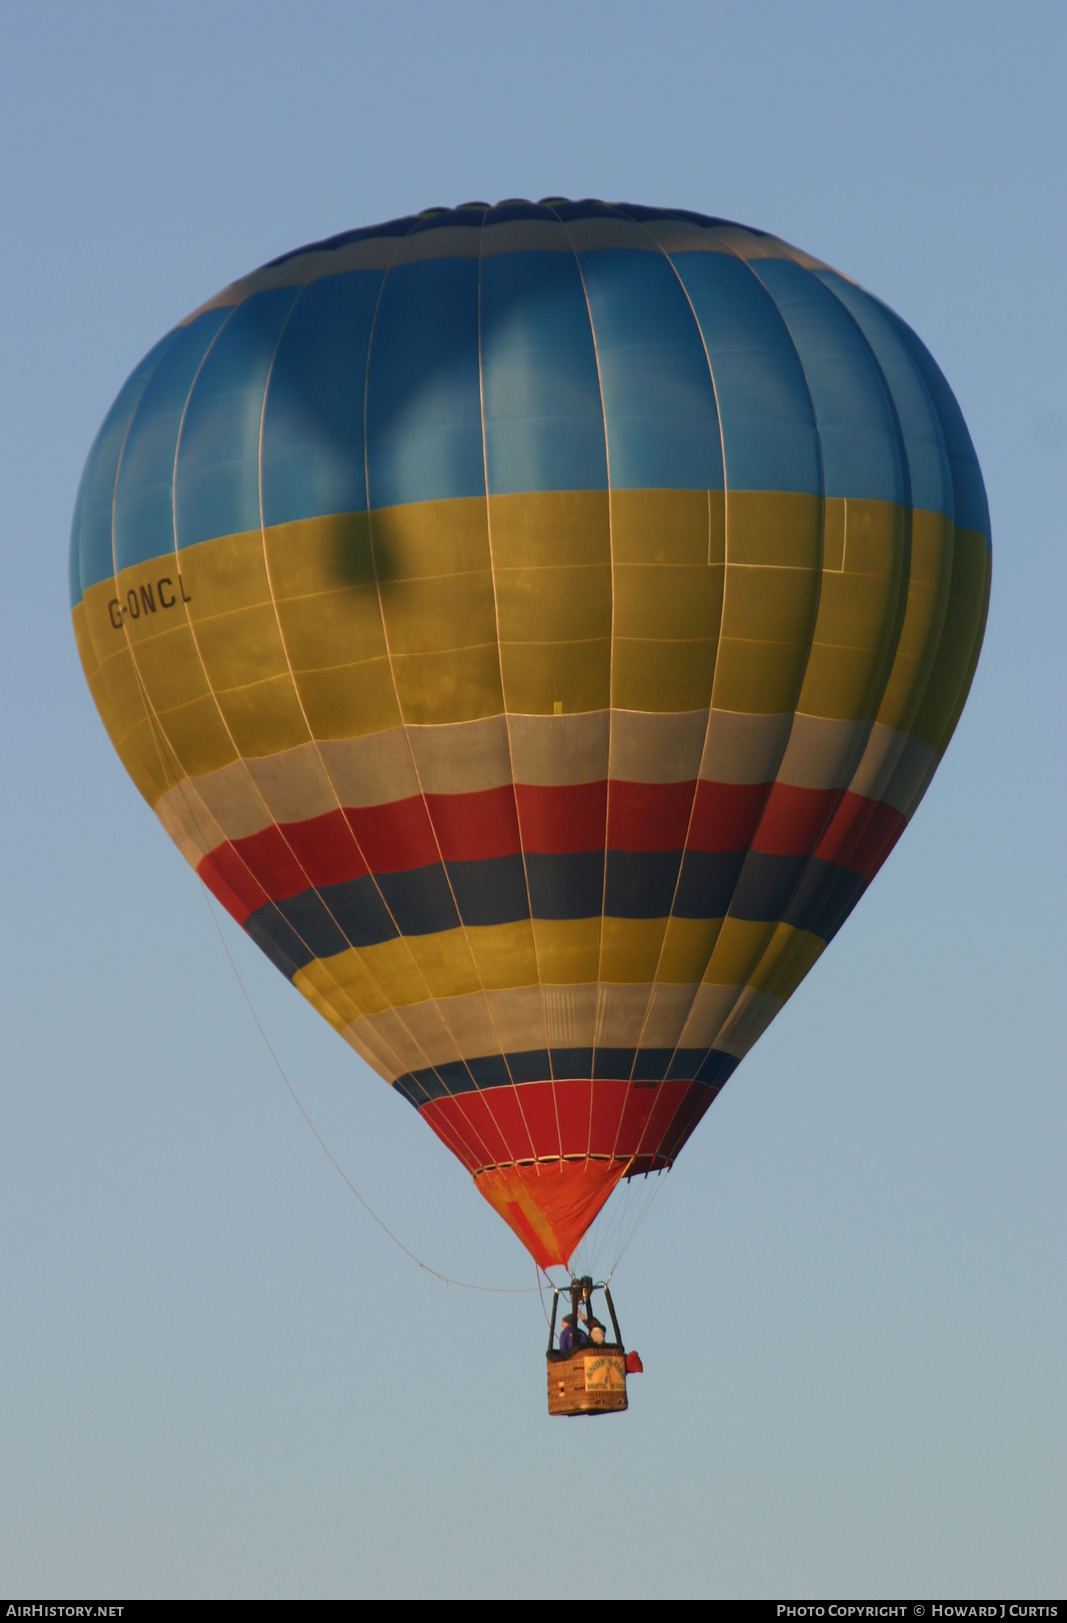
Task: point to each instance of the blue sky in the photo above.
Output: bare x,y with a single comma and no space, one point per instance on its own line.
218,1376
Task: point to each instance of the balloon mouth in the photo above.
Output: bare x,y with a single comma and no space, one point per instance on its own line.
549,1205
546,1155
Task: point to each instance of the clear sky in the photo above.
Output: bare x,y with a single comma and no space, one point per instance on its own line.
218,1376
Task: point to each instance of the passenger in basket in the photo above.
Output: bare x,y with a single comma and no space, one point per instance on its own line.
570,1337
596,1332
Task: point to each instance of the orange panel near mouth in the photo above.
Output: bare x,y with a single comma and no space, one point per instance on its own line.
550,1205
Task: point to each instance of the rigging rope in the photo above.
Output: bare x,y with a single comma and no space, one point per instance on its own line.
462,1284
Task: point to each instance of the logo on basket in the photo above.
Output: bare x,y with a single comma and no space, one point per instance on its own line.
604,1375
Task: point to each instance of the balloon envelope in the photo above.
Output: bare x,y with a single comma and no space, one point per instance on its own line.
537,624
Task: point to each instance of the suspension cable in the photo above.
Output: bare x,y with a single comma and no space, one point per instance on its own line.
462,1284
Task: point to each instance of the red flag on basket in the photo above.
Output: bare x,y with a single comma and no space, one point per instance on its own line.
634,1365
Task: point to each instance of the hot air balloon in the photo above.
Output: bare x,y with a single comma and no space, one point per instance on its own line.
536,624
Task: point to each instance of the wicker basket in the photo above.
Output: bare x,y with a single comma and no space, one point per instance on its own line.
590,1380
